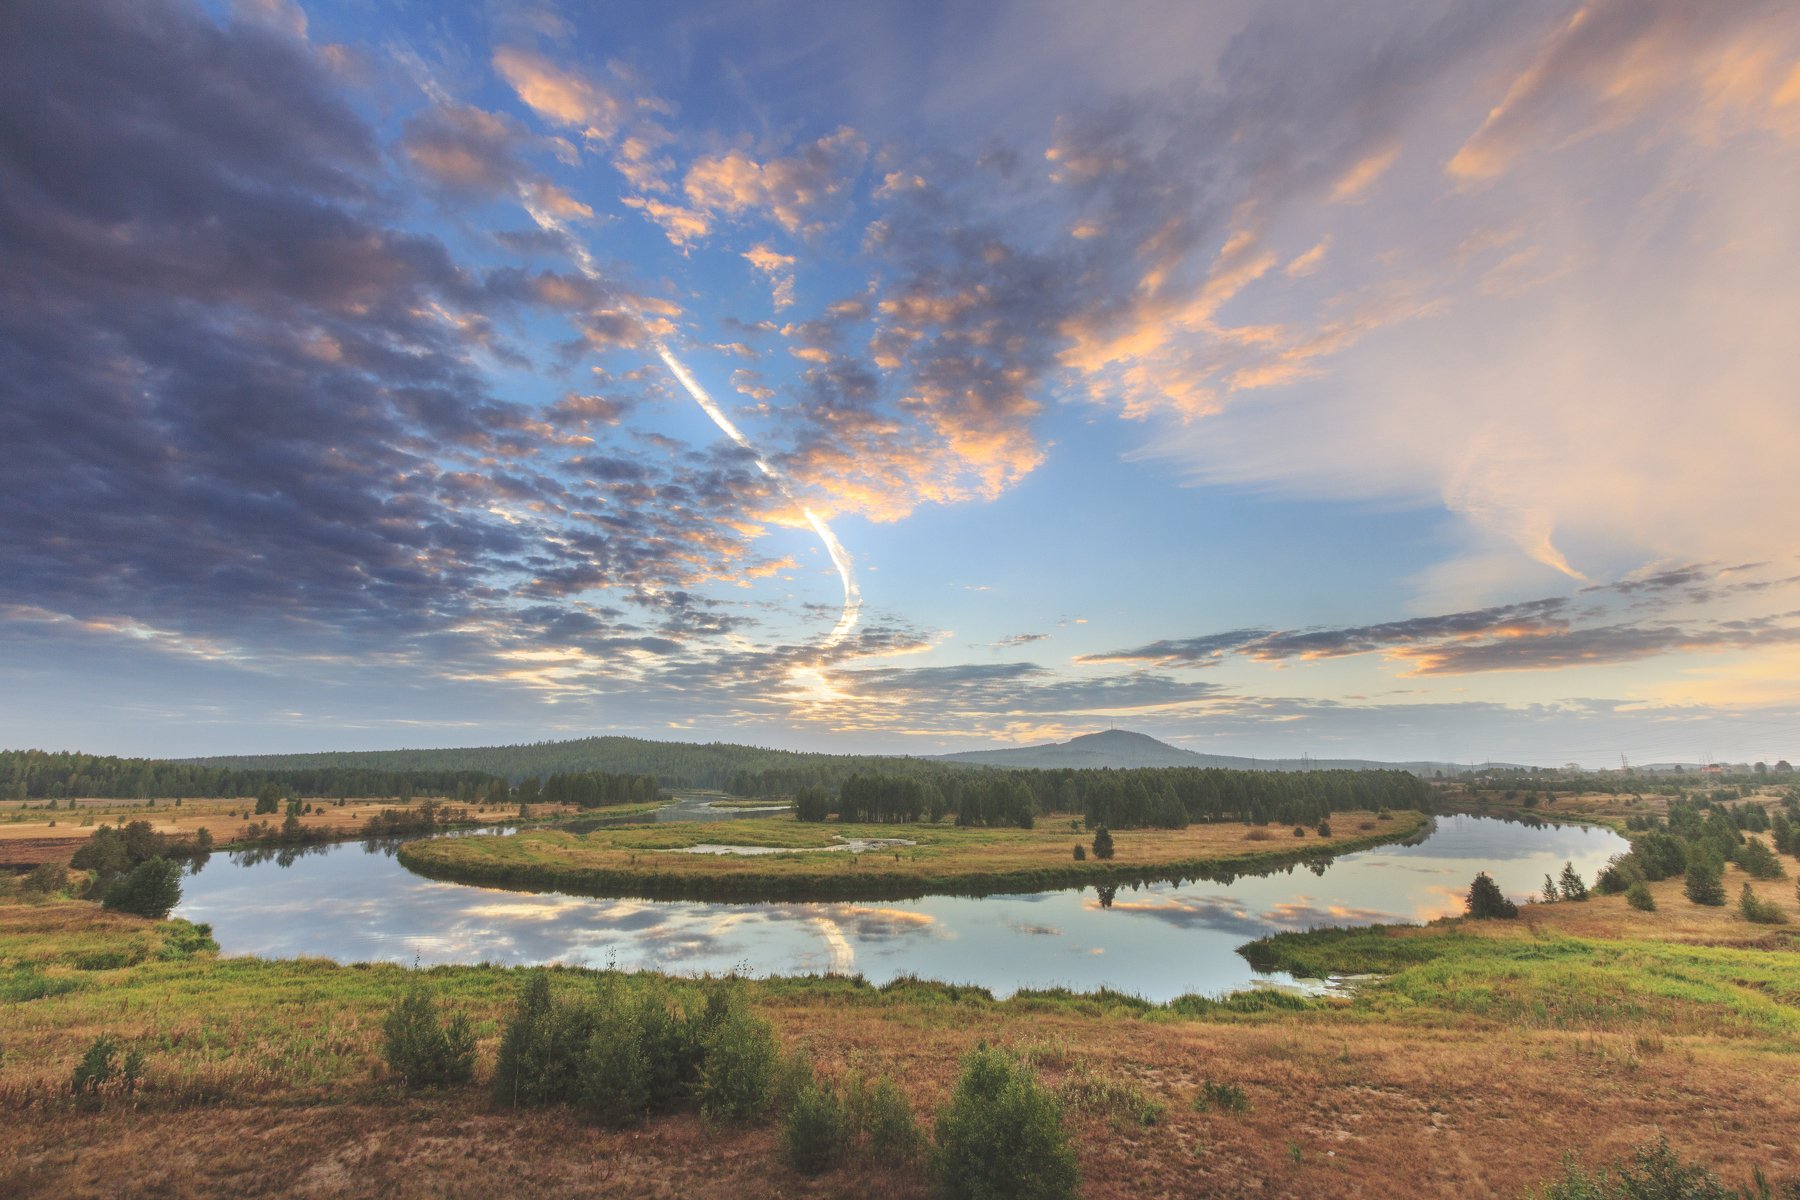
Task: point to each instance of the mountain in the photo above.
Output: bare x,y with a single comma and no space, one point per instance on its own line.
1122,749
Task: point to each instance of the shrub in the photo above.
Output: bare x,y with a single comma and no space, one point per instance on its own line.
1103,843
1653,1172
793,1075
818,1128
101,1066
151,889
1620,872
1001,1135
1660,855
540,1048
45,879
1080,852
1324,829
738,1079
1299,831
420,1048
1762,912
1705,881
615,1074
1486,901
888,1120
1639,897
1758,861
1571,885
1226,1097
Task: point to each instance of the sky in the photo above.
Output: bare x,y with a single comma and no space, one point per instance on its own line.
1416,379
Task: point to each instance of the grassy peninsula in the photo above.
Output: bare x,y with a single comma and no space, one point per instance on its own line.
654,861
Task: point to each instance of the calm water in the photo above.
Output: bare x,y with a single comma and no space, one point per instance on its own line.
354,902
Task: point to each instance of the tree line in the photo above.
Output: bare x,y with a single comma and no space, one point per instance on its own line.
56,775
589,789
744,770
1150,797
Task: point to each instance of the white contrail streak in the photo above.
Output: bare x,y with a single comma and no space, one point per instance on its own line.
840,557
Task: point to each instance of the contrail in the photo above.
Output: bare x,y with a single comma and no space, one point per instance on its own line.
840,557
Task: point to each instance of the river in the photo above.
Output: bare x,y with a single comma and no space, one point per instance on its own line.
353,902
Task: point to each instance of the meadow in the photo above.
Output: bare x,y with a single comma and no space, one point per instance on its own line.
1478,1054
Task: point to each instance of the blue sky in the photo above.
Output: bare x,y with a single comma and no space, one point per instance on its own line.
1411,380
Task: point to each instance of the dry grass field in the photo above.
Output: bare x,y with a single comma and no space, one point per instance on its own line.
33,835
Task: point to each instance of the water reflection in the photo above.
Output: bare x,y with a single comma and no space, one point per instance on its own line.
1156,939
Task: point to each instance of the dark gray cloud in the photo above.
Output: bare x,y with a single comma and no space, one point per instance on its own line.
1542,634
1530,618
1194,651
242,402
1606,644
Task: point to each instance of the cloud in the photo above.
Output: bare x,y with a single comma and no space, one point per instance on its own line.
1574,333
468,149
1551,633
1206,650
778,269
257,411
1614,61
559,95
798,192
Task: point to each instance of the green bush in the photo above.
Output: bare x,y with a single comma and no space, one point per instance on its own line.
1762,912
818,1129
737,1081
1001,1135
541,1048
45,879
1705,881
1758,861
1639,897
888,1120
1103,844
1486,900
793,1075
615,1074
1080,852
421,1048
1226,1097
1653,1172
102,1067
1617,876
1570,884
152,888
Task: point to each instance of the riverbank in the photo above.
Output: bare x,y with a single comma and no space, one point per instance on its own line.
648,862
32,834
1486,1051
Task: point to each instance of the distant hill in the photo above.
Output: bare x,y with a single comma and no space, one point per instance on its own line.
675,764
757,770
1122,749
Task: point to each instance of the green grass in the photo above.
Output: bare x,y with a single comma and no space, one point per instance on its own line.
1550,981
309,1030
